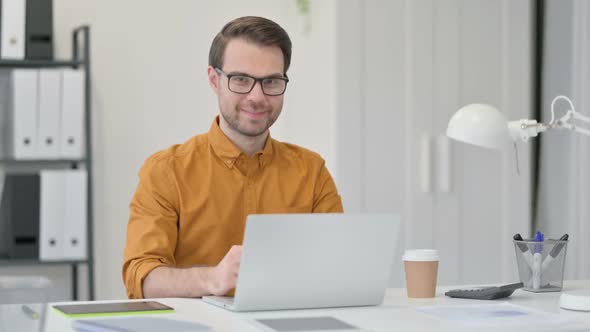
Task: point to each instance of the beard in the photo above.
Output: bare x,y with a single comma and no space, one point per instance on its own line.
245,126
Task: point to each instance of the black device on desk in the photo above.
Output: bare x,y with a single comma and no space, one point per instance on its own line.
112,308
485,293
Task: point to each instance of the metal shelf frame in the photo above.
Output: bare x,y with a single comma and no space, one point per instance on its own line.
80,59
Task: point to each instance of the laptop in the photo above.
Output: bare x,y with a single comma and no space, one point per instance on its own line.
299,261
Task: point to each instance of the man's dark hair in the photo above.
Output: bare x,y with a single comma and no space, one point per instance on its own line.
258,30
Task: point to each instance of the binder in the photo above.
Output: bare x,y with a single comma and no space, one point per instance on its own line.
19,216
72,114
39,30
4,217
12,29
49,113
51,226
75,215
18,108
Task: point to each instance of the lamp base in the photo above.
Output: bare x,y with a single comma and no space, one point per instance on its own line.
575,300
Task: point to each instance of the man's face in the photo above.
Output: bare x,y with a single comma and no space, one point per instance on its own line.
253,113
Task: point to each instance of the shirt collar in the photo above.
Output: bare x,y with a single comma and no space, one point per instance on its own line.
229,152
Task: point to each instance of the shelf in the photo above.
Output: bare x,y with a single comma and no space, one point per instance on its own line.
42,161
23,262
80,58
39,63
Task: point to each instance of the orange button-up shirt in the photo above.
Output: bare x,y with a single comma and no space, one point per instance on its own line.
192,200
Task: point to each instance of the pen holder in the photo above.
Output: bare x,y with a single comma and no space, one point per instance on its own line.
541,264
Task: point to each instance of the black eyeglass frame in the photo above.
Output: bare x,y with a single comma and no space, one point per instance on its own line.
256,80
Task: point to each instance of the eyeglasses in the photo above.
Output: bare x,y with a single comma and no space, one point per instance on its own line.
243,84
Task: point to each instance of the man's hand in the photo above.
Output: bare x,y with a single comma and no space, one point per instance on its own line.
196,281
224,276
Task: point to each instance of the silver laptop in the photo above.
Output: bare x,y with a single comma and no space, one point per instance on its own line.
295,261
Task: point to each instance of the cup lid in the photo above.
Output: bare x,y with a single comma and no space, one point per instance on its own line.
421,255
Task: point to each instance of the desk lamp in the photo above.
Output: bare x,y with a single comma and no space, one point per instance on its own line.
485,126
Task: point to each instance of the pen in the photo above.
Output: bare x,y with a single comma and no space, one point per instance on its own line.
526,253
30,312
537,260
554,252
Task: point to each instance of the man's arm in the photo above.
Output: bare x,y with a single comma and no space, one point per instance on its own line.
149,268
326,198
196,281
152,231
165,281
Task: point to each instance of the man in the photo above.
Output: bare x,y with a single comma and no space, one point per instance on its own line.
188,214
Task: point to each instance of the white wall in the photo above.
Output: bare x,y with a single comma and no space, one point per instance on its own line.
564,187
150,91
412,65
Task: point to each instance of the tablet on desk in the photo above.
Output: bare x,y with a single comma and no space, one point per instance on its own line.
113,309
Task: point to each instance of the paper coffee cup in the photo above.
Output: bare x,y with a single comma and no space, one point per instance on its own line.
421,267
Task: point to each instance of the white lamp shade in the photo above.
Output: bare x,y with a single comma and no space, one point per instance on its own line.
480,124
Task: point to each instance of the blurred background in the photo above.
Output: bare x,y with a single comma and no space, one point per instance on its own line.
373,84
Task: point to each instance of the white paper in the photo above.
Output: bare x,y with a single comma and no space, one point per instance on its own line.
500,315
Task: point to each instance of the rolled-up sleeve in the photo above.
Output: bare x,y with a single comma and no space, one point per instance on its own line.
326,198
152,231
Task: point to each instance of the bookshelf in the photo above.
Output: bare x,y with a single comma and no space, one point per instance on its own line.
80,60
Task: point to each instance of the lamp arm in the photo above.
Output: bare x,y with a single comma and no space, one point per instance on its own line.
565,122
554,101
524,129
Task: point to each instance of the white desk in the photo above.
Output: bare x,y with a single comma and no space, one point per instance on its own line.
397,313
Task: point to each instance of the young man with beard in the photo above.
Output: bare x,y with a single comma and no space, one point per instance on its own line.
188,214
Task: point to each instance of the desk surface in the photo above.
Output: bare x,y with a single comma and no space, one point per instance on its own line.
396,313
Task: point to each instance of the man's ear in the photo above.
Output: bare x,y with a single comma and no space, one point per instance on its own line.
213,79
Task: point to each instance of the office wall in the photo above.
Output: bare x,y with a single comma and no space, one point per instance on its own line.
564,181
150,91
416,63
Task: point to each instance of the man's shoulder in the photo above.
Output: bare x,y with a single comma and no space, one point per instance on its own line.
291,150
177,152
